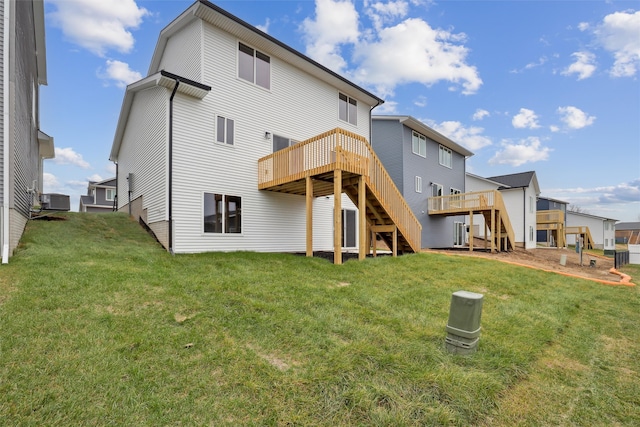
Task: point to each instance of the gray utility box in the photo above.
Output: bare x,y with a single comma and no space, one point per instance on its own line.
463,328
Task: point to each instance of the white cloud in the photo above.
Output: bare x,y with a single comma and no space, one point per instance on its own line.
619,33
50,182
584,65
95,178
411,52
554,128
480,114
529,150
120,73
66,156
575,118
525,119
98,25
382,13
265,27
470,137
583,26
336,23
387,55
111,168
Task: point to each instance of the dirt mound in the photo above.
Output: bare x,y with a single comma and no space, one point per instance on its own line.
591,266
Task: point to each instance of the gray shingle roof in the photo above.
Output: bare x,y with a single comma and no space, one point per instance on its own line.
522,179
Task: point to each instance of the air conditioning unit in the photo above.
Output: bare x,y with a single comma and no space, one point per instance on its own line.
55,202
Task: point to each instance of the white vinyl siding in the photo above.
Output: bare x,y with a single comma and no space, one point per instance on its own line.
182,53
271,222
144,153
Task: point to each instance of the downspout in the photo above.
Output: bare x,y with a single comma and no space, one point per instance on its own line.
170,190
524,225
115,201
5,132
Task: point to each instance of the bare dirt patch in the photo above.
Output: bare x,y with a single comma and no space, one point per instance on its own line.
591,266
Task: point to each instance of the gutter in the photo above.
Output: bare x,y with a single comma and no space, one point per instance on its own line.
5,132
170,184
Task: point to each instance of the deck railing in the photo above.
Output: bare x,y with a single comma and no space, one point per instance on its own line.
476,201
550,217
341,149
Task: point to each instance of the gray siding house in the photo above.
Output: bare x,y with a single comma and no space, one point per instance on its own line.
22,145
423,163
100,197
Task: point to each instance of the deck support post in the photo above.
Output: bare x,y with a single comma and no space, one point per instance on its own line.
309,200
337,216
499,231
493,230
471,231
362,219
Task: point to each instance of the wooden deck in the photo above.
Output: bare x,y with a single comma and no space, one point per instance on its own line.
340,161
553,221
487,203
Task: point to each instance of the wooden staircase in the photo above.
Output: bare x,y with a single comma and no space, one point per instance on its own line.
584,232
487,203
341,161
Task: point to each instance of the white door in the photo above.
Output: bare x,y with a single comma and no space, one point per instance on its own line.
459,234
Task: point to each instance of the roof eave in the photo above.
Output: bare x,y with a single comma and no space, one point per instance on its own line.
436,136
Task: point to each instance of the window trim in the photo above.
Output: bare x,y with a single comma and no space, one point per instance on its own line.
256,55
350,109
418,184
441,158
226,133
223,214
106,194
422,142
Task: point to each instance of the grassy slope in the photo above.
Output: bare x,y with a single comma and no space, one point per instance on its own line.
100,326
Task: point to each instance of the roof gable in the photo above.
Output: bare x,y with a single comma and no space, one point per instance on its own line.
518,180
224,20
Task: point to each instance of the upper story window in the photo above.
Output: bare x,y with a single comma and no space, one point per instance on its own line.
110,194
348,109
254,66
445,156
224,130
419,144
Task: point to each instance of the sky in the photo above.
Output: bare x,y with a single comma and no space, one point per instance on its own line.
545,86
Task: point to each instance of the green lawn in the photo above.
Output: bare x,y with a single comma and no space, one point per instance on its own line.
100,326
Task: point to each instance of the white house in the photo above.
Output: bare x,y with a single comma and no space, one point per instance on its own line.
601,230
22,145
519,192
216,146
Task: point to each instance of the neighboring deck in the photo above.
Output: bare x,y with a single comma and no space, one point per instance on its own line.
584,233
489,204
553,221
340,161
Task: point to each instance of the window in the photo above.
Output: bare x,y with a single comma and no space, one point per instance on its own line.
348,109
254,66
110,194
456,200
418,184
280,142
222,214
530,233
445,156
606,225
419,144
224,130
